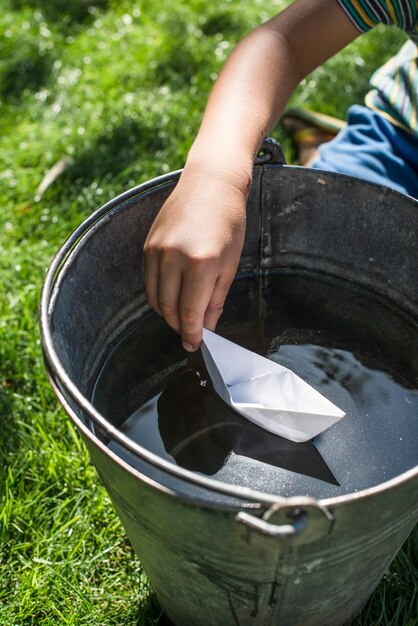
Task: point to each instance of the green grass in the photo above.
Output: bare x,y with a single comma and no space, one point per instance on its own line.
119,87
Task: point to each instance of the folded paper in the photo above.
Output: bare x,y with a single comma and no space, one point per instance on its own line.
265,392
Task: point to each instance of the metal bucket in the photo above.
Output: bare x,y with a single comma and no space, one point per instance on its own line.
218,553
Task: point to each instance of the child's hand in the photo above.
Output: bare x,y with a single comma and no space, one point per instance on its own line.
194,245
193,249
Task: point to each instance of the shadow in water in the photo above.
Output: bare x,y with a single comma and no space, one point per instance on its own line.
200,432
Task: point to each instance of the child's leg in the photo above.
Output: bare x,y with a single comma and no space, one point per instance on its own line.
372,148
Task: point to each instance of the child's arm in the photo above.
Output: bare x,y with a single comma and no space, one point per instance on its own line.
193,248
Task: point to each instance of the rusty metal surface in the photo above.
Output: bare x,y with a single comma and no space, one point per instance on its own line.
345,226
237,575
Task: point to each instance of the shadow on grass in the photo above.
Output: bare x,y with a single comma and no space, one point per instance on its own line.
185,54
64,12
112,152
226,22
29,72
9,432
25,66
150,613
26,62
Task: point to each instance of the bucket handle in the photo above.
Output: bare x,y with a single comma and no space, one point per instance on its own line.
299,520
283,531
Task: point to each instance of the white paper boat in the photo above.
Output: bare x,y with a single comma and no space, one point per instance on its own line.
265,392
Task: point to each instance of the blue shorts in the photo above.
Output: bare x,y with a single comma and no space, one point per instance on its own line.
372,148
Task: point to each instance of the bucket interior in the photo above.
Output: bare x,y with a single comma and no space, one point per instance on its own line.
352,347
335,303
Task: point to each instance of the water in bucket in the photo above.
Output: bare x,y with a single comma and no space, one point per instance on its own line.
348,343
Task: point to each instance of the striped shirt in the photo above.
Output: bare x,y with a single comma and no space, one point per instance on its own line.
394,91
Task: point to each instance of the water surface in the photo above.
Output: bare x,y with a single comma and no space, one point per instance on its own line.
350,345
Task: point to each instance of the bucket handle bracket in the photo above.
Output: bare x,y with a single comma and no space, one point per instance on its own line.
271,153
296,520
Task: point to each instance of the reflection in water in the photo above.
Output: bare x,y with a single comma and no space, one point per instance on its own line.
200,431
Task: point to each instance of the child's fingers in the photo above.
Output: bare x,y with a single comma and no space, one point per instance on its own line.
217,301
196,292
169,289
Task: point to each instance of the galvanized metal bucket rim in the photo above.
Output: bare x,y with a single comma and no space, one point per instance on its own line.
57,374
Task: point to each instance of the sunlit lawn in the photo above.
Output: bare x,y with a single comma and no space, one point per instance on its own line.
118,87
